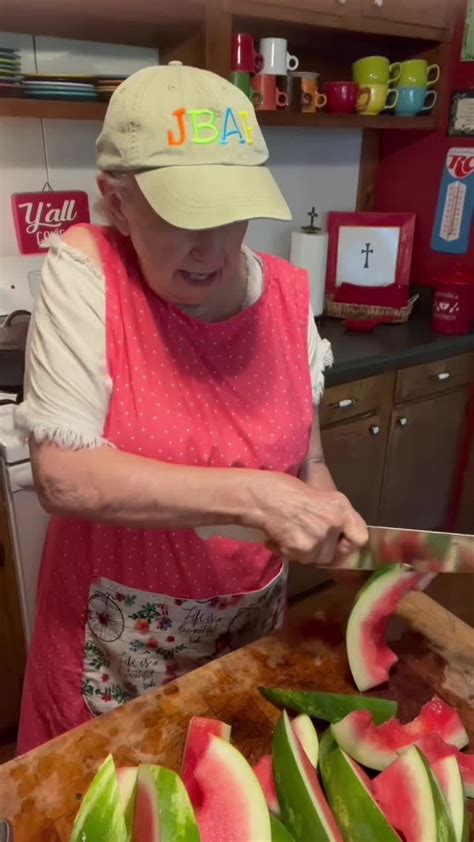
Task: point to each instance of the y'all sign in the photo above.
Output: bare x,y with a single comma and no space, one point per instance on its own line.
39,215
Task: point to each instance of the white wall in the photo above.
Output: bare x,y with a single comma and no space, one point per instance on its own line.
312,167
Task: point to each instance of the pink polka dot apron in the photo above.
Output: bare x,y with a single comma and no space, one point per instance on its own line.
121,610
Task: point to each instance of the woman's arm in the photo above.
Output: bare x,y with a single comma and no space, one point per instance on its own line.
314,471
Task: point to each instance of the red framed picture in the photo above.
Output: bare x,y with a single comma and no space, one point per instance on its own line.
369,258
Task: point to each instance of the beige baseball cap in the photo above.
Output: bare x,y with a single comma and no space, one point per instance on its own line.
193,142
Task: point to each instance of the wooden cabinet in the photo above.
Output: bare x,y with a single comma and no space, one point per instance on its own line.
355,455
12,649
421,461
322,7
435,15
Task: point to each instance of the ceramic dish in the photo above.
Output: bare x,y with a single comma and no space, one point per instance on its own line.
63,86
63,95
54,77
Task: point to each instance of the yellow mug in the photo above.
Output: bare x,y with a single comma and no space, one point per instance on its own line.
382,98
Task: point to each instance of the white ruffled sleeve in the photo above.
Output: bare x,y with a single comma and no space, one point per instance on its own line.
320,357
67,385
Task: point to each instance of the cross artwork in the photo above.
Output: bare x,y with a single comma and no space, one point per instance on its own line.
367,251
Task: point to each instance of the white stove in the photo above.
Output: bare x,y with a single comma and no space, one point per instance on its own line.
19,284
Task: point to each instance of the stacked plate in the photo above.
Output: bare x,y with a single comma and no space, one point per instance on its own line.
10,72
41,86
106,85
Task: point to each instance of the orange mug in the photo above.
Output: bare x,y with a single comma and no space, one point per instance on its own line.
271,97
309,85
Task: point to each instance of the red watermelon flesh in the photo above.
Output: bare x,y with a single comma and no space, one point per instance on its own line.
376,746
434,748
233,805
147,814
324,808
197,738
264,772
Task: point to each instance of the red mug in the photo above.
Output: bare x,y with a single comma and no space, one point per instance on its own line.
342,97
271,96
243,57
453,303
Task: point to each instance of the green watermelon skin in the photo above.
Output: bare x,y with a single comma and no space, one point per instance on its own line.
101,815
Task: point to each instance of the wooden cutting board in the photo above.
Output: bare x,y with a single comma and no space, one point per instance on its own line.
40,792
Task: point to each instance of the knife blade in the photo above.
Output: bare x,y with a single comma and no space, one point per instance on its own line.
423,551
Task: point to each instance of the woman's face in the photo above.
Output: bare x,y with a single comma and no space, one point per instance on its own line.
186,268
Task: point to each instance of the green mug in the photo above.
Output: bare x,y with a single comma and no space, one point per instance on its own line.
375,70
242,81
381,98
417,73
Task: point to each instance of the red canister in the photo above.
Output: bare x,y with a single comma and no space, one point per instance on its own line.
453,303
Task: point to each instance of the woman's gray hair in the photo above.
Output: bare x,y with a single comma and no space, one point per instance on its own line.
119,180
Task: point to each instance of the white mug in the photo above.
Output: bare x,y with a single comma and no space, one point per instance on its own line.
276,59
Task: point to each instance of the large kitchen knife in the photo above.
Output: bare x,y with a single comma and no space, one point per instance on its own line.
437,552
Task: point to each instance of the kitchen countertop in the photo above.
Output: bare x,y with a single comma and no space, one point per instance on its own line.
41,791
387,348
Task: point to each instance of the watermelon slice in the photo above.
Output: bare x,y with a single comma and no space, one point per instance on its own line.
197,738
410,796
163,811
264,772
127,783
377,746
233,805
308,737
349,792
434,748
370,659
448,775
279,831
101,815
330,706
304,809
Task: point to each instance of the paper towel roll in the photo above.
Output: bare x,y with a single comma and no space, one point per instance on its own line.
310,252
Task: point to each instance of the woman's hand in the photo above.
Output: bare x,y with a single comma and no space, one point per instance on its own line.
306,525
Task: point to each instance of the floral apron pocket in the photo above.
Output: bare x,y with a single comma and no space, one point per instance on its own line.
136,640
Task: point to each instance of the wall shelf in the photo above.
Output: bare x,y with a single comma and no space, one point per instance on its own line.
65,110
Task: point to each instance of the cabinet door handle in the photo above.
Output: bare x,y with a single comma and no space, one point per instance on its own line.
346,403
441,377
402,422
374,430
378,3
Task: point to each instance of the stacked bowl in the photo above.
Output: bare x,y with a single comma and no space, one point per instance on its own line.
47,86
106,85
10,72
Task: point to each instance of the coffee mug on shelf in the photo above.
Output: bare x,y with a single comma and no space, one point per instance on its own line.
270,96
417,73
382,98
243,57
241,80
375,70
313,100
277,61
342,97
413,101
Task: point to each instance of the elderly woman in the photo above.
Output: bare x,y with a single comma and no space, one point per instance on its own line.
172,379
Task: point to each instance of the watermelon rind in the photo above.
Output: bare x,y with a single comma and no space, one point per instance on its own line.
330,707
101,814
264,773
423,795
127,783
304,809
177,820
448,775
357,813
279,831
233,804
364,646
308,737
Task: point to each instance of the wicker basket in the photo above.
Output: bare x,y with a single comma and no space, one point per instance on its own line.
390,315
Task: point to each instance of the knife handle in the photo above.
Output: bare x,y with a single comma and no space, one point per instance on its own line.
6,831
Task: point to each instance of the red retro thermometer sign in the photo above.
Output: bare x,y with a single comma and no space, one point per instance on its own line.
37,216
454,214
